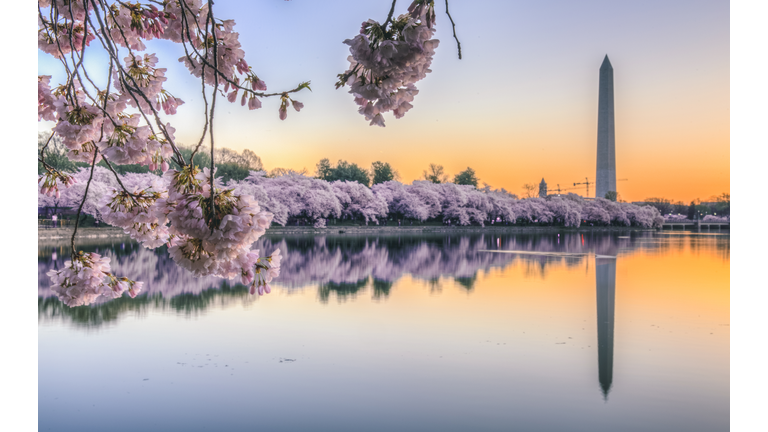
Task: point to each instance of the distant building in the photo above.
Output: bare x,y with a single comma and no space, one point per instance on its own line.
542,188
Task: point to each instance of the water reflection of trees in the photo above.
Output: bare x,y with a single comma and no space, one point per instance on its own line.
344,266
50,308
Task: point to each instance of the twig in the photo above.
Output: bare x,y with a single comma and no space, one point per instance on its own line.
458,44
80,209
389,17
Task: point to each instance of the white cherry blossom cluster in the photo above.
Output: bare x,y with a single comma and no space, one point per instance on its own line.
387,62
87,277
125,142
78,126
45,109
265,270
137,215
211,242
130,23
230,56
143,75
58,39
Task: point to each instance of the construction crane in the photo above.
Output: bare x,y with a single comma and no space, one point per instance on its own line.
587,182
559,190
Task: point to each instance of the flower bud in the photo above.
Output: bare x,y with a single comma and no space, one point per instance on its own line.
254,103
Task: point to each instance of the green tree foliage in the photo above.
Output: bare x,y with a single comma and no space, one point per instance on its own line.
55,154
435,174
466,177
344,171
324,169
382,172
612,195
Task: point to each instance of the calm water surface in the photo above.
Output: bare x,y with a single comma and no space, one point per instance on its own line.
578,332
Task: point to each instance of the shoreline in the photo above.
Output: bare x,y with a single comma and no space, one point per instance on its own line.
112,232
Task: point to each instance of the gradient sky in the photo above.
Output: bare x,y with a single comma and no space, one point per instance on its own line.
520,106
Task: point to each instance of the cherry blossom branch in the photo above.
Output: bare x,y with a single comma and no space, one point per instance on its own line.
80,209
458,44
42,150
185,29
213,103
117,177
232,83
389,17
62,58
180,159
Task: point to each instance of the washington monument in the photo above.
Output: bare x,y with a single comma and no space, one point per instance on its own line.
606,140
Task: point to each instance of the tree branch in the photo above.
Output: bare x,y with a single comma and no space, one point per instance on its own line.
458,44
80,209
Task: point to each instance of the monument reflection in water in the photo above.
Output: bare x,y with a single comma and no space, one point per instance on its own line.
519,300
605,272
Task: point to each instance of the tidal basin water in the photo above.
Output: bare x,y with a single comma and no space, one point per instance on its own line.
620,331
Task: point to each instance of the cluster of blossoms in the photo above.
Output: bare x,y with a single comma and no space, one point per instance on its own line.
143,75
87,277
136,214
79,123
51,180
265,270
125,142
58,39
45,109
387,62
211,240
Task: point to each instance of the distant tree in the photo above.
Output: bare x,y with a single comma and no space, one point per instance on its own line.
55,153
466,177
680,207
229,171
435,174
279,172
612,195
530,190
230,165
382,172
343,170
324,169
252,161
346,171
692,210
357,201
723,206
664,206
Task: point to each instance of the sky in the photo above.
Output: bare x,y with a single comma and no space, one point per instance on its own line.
520,106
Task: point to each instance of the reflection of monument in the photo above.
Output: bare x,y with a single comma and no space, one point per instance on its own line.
606,300
606,139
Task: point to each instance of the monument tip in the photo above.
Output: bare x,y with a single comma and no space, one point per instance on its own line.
606,63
